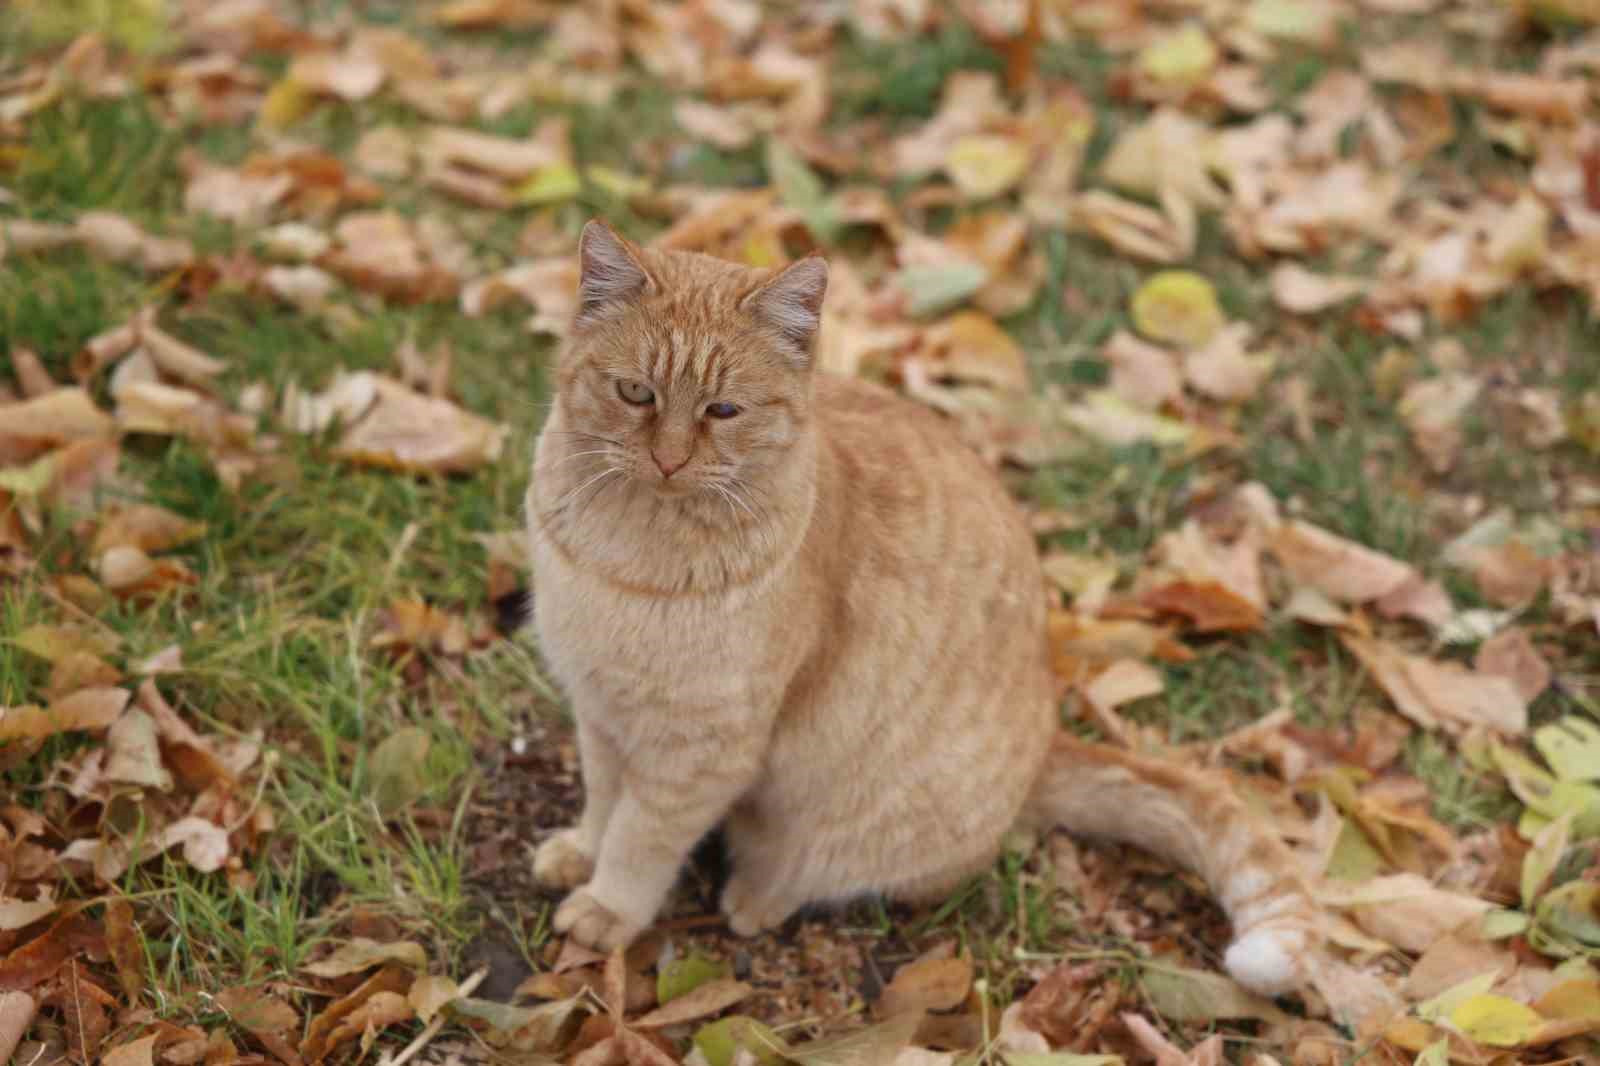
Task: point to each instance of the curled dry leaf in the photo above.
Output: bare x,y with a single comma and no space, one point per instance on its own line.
704,1000
87,710
1511,654
58,417
321,1032
430,994
1340,568
1298,290
146,527
361,953
1437,694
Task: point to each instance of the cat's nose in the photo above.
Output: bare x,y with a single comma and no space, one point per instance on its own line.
669,466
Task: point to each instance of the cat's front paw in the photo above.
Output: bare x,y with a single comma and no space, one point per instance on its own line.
593,924
749,910
561,863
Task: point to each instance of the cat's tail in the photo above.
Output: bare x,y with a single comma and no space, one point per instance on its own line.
1193,818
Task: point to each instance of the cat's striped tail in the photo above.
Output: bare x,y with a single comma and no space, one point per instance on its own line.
1193,818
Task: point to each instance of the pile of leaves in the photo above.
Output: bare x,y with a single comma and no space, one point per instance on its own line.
1262,190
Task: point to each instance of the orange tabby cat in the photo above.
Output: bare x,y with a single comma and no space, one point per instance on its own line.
799,606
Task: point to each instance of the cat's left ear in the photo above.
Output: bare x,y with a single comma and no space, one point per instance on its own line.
791,303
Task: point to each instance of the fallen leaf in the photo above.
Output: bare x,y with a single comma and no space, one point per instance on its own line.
1511,654
682,976
398,771
360,953
19,914
17,1010
144,526
138,1052
1434,693
924,985
985,165
1346,571
1186,995
430,994
1178,307
1404,909
1301,292
712,997
126,945
1210,606
1496,1020
1145,375
86,710
538,1029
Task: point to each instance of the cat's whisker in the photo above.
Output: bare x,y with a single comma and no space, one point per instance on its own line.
570,494
565,459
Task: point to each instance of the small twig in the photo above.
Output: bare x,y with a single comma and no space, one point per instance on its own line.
409,1052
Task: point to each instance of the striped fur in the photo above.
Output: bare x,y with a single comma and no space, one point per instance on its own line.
820,623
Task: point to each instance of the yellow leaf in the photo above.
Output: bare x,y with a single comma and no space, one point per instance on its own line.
286,103
551,184
1178,306
984,165
1496,1020
1183,57
1541,860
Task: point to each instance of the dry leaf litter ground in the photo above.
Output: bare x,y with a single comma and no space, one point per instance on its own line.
1278,315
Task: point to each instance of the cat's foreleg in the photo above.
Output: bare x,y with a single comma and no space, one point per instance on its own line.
659,817
566,860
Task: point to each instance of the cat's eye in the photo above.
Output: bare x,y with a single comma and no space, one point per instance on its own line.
721,410
635,392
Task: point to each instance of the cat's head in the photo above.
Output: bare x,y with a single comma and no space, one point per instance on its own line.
686,372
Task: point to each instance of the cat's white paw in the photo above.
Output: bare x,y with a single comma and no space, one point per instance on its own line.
593,924
1269,960
561,863
749,911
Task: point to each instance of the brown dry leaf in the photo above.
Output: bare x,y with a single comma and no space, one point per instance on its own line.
971,346
265,1016
379,251
1425,601
1403,909
1432,410
361,953
130,573
1144,374
421,434
86,710
1510,574
1166,1053
1437,694
58,417
19,914
1340,568
144,526
1510,654
31,375
1454,957
1077,639
704,1000
176,358
1124,681
1223,370
126,947
924,985
118,239
1301,292
40,958
1210,606
17,1010
319,1034
1071,1004
138,1052
205,844
429,995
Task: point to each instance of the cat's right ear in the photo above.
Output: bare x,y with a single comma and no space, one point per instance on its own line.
611,274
